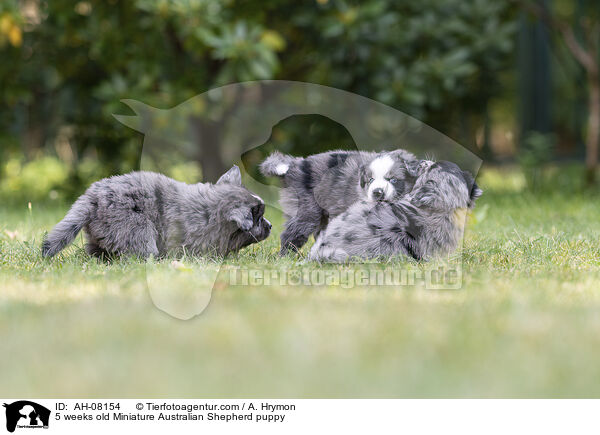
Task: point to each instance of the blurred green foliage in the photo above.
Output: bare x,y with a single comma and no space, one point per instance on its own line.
37,178
68,64
45,179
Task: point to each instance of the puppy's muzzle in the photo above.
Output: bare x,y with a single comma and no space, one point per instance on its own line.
262,230
267,224
378,194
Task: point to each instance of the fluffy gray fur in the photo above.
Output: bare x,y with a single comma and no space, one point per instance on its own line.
428,221
145,213
322,186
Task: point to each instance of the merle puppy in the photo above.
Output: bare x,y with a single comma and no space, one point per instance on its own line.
145,213
323,186
428,221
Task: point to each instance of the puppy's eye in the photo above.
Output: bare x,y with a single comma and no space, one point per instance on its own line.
393,180
371,180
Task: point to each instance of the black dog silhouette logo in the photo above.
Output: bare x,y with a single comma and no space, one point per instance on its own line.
26,414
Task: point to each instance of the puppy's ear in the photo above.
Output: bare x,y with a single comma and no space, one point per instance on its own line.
412,167
400,154
474,190
233,176
362,176
257,211
242,217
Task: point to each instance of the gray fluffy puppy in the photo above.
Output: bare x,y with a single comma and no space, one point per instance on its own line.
322,186
145,213
428,221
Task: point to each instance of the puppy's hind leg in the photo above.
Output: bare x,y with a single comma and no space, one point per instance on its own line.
93,248
96,251
138,239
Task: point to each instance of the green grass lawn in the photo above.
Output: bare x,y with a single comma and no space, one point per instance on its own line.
526,322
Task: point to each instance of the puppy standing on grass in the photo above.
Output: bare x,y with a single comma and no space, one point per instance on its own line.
145,213
428,221
325,185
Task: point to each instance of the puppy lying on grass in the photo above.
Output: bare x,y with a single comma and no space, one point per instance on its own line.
145,213
427,222
322,186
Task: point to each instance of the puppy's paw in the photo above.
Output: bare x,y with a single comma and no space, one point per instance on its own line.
329,254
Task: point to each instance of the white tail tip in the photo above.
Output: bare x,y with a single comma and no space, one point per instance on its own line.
281,169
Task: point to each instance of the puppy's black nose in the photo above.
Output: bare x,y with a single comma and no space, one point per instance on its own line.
268,224
378,193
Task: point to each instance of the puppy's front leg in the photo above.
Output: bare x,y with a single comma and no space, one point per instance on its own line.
142,242
298,229
292,238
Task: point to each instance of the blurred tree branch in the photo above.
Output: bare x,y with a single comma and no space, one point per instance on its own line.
586,54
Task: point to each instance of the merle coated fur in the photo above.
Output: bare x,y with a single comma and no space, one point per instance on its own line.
322,186
145,213
428,221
